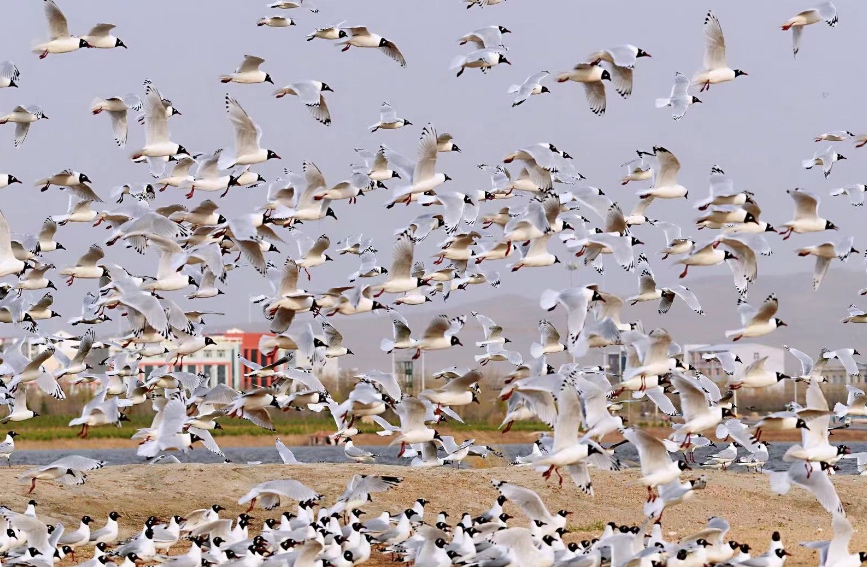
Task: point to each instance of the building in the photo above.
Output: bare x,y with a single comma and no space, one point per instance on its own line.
834,373
220,362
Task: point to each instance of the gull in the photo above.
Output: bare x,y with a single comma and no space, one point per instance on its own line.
755,376
807,217
19,410
61,41
757,322
400,279
98,411
724,457
532,85
845,357
568,450
482,3
388,119
531,505
675,243
289,4
826,252
376,165
826,158
445,143
835,553
360,36
549,341
855,191
665,184
86,267
247,138
100,37
68,470
331,32
725,358
835,136
357,454
208,177
9,264
157,142
269,493
824,12
541,160
856,315
622,59
286,455
312,252
248,72
705,254
117,109
576,301
457,392
412,412
637,169
275,22
422,174
743,265
591,75
536,255
310,93
593,246
716,69
489,36
813,480
22,117
77,364
648,291
814,446
109,532
657,468
7,447
369,267
698,415
483,59
855,404
79,537
9,74
360,487
65,178
493,332
680,99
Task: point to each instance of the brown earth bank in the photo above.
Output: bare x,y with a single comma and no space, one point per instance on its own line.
488,437
137,491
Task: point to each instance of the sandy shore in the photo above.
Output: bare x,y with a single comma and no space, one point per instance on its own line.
137,491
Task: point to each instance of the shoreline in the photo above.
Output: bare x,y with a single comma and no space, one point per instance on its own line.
482,437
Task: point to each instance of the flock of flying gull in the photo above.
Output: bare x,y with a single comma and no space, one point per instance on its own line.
199,246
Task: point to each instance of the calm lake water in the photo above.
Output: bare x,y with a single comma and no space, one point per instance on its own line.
387,455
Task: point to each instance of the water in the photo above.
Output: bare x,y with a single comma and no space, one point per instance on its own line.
387,455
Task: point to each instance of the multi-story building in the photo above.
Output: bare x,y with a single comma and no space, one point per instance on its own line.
220,362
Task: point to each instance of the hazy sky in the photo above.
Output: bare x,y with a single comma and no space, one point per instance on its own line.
757,128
